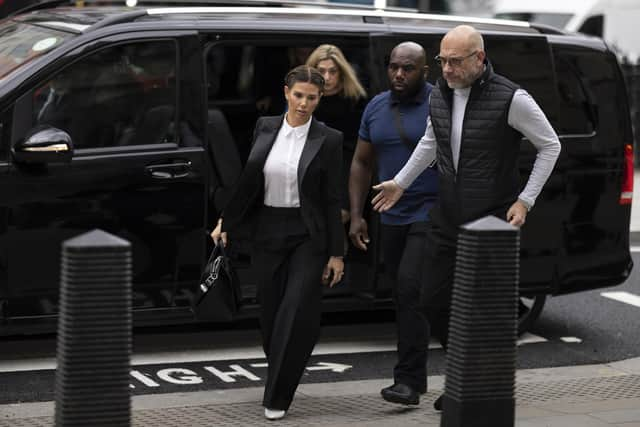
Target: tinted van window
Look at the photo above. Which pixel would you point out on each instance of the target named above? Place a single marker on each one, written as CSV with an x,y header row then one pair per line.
x,y
574,99
585,81
119,96
527,62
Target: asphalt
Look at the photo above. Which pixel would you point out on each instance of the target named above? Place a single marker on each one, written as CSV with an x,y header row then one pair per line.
x,y
583,396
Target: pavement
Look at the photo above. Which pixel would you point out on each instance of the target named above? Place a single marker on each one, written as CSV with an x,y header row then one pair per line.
x,y
581,396
585,396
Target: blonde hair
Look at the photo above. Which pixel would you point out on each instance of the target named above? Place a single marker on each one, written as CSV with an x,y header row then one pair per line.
x,y
351,87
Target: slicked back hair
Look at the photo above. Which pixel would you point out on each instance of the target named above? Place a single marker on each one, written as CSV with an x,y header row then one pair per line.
x,y
304,74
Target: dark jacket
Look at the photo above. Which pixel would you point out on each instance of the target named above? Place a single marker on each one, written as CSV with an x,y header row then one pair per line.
x,y
487,181
319,184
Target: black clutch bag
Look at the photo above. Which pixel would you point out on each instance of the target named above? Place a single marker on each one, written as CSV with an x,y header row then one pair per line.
x,y
218,294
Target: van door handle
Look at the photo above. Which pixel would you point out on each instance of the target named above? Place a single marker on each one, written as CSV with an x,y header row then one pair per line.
x,y
179,169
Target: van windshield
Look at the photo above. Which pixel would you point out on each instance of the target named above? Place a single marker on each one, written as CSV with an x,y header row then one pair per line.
x,y
21,43
558,20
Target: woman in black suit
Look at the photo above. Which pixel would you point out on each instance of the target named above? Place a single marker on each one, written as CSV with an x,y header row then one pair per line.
x,y
288,199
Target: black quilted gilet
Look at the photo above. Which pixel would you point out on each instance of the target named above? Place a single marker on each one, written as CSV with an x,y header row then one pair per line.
x,y
487,181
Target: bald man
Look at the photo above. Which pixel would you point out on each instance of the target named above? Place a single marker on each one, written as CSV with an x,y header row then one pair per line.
x,y
390,128
477,121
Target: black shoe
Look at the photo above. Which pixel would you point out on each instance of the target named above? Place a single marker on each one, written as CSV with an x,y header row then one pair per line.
x,y
437,404
400,393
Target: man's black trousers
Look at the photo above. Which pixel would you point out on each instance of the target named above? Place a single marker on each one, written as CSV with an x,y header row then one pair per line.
x,y
439,266
404,252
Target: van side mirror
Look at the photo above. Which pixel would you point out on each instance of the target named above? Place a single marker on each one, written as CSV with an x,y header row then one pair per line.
x,y
44,144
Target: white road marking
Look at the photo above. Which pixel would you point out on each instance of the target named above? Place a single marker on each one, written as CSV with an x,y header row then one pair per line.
x,y
571,339
528,338
41,364
625,297
231,354
259,365
333,367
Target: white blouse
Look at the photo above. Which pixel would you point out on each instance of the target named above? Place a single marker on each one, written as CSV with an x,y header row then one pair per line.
x,y
281,168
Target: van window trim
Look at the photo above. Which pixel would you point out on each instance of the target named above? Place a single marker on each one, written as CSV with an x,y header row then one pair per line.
x,y
90,153
591,134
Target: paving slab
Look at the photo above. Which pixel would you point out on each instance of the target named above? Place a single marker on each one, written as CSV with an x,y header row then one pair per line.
x,y
588,407
526,412
619,416
563,421
629,366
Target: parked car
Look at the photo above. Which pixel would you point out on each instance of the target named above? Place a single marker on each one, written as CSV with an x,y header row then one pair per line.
x,y
137,121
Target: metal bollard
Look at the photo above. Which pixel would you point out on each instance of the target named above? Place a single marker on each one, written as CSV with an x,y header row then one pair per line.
x,y
94,332
481,355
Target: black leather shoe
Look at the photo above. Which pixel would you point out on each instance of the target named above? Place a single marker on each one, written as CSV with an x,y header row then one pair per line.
x,y
400,393
437,404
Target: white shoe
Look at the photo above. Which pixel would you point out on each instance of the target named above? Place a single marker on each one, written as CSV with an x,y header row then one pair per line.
x,y
274,414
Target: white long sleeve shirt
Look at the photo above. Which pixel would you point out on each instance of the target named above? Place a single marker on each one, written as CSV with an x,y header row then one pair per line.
x,y
281,167
524,115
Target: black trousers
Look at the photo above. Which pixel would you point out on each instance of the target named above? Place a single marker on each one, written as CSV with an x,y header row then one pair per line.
x,y
289,273
439,267
404,252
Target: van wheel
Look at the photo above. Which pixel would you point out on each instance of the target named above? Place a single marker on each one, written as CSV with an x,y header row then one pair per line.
x,y
529,309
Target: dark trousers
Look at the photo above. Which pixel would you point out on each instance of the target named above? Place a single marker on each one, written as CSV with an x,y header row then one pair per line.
x,y
404,251
289,273
439,267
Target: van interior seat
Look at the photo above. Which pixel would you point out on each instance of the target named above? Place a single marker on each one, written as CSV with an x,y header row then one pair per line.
x,y
224,156
155,124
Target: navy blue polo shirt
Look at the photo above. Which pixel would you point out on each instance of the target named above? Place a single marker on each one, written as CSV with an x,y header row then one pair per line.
x,y
378,127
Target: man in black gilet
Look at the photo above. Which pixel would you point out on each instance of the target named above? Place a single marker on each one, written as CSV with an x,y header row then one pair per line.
x,y
477,121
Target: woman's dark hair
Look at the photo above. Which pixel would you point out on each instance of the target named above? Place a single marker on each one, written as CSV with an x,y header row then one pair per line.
x,y
304,74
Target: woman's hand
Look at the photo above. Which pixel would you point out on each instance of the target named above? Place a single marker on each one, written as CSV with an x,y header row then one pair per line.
x,y
217,234
334,270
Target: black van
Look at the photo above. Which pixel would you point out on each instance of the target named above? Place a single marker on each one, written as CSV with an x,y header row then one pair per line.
x,y
157,107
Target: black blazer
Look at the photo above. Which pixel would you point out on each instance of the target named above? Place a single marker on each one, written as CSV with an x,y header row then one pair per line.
x,y
319,184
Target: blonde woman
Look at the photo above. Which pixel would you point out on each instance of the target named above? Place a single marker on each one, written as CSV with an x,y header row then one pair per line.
x,y
341,107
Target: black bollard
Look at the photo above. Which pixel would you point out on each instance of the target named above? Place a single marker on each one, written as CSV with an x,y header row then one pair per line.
x,y
481,355
94,332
